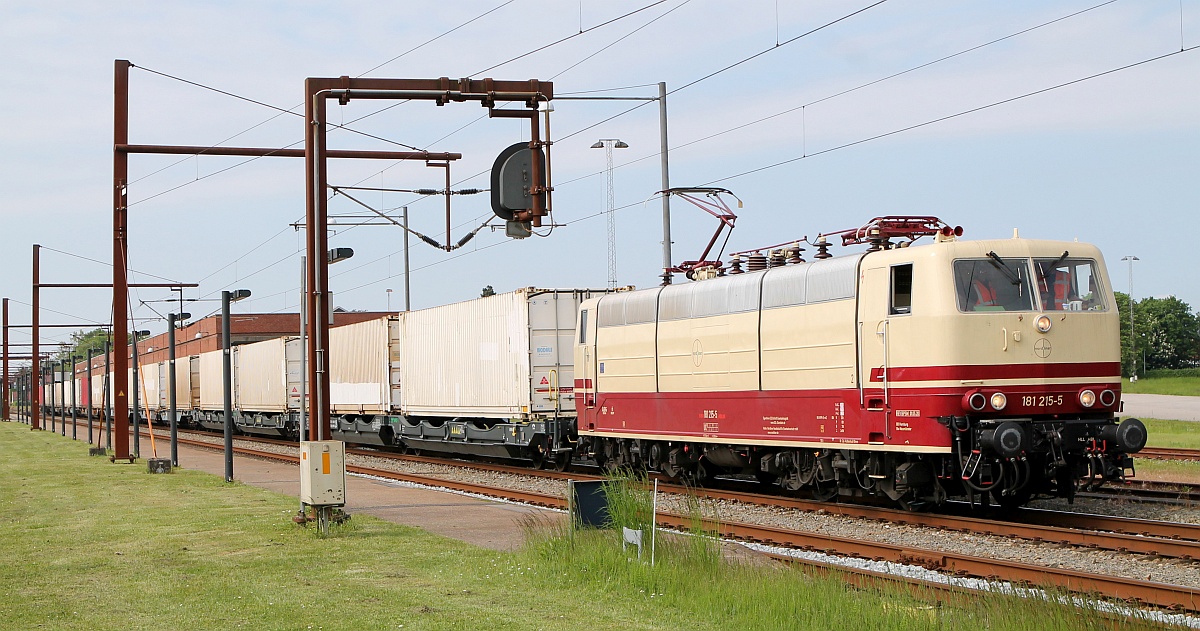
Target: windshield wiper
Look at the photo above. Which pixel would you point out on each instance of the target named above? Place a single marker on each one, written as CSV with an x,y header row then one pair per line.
x,y
999,264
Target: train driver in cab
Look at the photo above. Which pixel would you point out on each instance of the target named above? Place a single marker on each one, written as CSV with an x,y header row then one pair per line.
x,y
983,286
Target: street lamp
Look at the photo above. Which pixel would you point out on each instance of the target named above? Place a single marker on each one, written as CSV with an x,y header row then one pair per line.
x,y
228,297
608,144
172,318
1132,335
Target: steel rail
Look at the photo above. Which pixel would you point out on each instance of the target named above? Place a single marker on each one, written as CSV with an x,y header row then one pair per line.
x,y
1165,453
1183,542
1174,597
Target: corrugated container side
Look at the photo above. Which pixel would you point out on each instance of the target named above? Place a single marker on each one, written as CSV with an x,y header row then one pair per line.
x,y
292,354
396,363
148,386
96,398
58,389
183,384
469,358
164,388
552,347
212,389
358,368
261,376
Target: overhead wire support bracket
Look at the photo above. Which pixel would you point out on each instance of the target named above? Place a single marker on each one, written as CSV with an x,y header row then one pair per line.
x,y
318,91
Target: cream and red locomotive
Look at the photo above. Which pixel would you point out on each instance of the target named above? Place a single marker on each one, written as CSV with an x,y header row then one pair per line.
x,y
987,369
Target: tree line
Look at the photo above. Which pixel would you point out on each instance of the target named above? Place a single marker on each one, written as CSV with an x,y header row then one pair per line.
x,y
1166,332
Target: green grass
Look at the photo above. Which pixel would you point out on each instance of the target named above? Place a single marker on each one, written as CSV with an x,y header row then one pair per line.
x,y
1172,434
1181,386
88,544
1167,470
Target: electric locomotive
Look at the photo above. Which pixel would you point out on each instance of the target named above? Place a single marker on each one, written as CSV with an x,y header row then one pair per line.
x,y
985,369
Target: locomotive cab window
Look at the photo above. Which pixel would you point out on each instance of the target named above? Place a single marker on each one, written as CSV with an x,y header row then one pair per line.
x,y
901,299
993,284
1067,284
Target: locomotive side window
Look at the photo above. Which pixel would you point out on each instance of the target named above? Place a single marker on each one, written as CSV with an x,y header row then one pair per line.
x,y
1066,284
993,284
583,315
901,300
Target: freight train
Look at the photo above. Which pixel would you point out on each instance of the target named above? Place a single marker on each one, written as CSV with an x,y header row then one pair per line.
x,y
987,369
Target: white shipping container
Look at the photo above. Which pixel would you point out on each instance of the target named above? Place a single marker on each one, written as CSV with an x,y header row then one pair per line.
x,y
262,374
147,387
503,356
359,370
183,384
212,388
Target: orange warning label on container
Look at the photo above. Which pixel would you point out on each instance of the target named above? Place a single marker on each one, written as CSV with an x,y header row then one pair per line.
x,y
325,463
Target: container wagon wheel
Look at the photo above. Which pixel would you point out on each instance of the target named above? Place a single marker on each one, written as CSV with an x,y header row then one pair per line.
x,y
537,454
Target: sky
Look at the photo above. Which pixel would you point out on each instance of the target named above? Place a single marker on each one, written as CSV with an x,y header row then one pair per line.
x,y
818,116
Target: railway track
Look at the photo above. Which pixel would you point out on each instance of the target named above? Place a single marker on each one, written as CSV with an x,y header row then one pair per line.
x,y
1162,539
1173,453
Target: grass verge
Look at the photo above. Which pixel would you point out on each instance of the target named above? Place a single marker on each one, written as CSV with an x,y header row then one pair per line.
x,y
1172,434
1179,386
93,545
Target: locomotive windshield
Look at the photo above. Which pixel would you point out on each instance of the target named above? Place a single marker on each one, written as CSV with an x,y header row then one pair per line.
x,y
993,284
1067,284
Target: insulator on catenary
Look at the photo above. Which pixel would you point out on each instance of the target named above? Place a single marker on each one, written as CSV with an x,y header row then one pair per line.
x,y
463,241
467,191
428,191
430,241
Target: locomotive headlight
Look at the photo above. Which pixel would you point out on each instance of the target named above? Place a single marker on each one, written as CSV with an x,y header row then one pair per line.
x,y
1087,398
1108,398
1043,323
999,401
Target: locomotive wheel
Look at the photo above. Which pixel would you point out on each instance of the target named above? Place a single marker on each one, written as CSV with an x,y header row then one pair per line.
x,y
1012,501
824,491
766,478
562,463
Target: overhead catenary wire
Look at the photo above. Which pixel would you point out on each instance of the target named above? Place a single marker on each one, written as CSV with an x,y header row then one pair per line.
x,y
955,115
730,67
860,86
107,263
